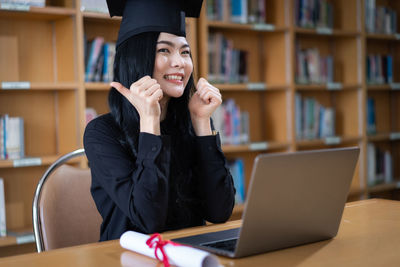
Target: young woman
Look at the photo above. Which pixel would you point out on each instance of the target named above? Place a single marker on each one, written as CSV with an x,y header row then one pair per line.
x,y
156,162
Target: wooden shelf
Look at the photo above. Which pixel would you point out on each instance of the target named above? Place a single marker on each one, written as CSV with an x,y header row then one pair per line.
x,y
327,87
383,87
245,27
330,141
39,13
97,86
384,187
32,161
249,87
21,236
252,147
394,136
379,36
326,32
42,86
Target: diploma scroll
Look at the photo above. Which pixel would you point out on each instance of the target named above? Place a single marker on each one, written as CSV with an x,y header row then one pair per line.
x,y
179,255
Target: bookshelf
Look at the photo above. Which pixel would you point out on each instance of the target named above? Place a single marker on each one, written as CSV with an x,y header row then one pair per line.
x,y
42,79
38,82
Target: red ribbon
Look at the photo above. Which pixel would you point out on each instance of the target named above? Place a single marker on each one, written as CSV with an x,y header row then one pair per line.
x,y
152,242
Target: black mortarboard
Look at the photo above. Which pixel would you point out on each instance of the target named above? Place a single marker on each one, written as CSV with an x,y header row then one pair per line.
x,y
152,15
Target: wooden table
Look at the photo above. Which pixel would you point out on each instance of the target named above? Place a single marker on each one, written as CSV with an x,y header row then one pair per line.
x,y
369,235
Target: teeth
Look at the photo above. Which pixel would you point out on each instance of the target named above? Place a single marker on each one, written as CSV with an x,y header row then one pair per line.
x,y
173,77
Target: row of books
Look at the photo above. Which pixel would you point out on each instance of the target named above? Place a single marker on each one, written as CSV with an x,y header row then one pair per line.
x,y
226,64
11,137
232,123
99,6
314,13
380,165
99,60
39,3
236,168
311,67
237,11
380,19
379,69
371,117
313,120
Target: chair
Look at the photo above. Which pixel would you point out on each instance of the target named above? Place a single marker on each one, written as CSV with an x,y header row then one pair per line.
x,y
64,213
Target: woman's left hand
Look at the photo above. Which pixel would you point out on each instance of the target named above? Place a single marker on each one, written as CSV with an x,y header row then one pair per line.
x,y
205,101
202,105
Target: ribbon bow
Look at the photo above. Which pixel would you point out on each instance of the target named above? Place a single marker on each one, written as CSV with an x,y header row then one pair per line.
x,y
155,241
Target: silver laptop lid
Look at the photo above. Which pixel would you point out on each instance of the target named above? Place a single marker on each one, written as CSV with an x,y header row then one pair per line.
x,y
295,198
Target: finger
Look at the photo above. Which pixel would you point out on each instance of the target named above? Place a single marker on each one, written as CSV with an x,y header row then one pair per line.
x,y
146,85
142,80
206,90
204,85
211,97
201,81
157,95
120,88
152,89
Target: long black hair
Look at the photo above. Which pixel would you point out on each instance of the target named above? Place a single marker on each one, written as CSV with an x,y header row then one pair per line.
x,y
135,59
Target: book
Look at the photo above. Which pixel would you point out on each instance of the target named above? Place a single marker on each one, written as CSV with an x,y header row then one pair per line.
x,y
94,53
38,3
99,6
3,226
388,167
2,138
239,11
314,13
371,120
371,164
236,168
14,144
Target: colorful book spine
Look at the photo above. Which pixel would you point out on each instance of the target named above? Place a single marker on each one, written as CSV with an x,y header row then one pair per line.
x,y
371,119
237,171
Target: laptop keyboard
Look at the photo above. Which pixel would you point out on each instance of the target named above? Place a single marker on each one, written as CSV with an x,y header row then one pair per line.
x,y
229,244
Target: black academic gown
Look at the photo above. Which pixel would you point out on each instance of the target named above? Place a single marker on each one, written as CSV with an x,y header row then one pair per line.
x,y
170,184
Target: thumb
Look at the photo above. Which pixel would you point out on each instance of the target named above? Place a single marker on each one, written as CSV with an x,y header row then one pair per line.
x,y
120,88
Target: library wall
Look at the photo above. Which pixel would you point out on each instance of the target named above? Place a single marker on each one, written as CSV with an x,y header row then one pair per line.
x,y
293,77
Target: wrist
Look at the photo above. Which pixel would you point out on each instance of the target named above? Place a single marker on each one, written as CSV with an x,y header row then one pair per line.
x,y
202,127
150,125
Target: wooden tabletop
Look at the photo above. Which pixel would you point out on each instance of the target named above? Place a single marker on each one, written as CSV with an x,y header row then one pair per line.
x,y
369,235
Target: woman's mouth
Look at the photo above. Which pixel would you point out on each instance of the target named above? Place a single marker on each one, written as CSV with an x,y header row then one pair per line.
x,y
174,78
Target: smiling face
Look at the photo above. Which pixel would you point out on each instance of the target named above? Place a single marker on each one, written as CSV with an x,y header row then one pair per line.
x,y
173,64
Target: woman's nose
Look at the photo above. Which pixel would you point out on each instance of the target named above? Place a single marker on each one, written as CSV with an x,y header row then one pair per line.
x,y
177,60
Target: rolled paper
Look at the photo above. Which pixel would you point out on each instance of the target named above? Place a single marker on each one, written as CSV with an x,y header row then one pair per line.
x,y
179,255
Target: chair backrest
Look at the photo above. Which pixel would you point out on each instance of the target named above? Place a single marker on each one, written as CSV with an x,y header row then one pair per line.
x,y
64,213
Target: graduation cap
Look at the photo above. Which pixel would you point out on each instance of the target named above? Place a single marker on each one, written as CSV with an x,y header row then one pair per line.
x,y
152,15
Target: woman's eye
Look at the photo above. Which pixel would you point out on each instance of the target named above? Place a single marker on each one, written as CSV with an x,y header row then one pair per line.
x,y
186,52
163,50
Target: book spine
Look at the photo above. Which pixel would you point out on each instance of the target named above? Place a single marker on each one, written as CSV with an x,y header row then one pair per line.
x,y
371,159
3,226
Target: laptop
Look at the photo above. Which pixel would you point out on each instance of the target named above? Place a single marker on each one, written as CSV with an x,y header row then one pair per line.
x,y
293,199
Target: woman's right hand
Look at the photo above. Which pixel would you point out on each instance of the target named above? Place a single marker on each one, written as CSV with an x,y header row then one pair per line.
x,y
144,95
